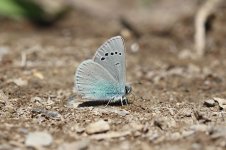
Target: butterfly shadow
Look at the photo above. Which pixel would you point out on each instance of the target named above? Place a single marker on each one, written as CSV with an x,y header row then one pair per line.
x,y
100,103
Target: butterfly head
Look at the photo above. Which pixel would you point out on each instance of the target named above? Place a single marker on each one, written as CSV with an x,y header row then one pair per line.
x,y
128,89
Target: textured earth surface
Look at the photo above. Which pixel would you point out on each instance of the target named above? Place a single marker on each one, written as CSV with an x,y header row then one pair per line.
x,y
177,102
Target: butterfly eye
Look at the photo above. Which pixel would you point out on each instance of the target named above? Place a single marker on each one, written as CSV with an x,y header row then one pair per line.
x,y
120,53
102,58
112,53
116,52
106,54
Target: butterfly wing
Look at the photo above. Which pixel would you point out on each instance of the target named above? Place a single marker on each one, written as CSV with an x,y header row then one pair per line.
x,y
94,82
111,55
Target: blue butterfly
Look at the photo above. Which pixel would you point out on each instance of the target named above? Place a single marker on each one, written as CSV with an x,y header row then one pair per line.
x,y
104,76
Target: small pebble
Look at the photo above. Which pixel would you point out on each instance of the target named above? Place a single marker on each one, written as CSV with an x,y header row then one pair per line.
x,y
219,132
35,139
175,136
199,127
153,135
53,115
209,103
79,130
121,112
186,112
78,145
97,127
136,126
126,33
185,54
49,114
3,51
20,82
135,47
196,146
36,100
187,133
3,97
221,102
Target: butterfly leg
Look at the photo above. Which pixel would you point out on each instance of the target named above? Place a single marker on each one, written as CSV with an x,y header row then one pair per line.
x,y
121,101
126,100
108,102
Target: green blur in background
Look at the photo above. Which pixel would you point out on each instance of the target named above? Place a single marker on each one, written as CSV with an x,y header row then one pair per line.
x,y
30,10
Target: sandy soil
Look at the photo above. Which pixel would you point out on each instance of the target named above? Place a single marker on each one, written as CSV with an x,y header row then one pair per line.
x,y
166,110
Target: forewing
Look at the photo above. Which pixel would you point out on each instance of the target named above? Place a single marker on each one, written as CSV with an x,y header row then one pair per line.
x,y
94,82
111,55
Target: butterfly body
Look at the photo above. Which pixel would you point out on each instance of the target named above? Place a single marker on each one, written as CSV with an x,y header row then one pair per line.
x,y
103,77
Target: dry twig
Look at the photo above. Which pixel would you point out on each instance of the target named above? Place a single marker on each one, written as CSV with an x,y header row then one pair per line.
x,y
206,10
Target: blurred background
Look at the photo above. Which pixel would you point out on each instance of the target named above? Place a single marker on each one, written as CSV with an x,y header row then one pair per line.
x,y
175,50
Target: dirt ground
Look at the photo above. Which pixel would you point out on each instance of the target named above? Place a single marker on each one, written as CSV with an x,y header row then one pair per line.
x,y
167,108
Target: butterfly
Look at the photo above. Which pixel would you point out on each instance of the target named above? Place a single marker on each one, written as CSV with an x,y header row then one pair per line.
x,y
104,77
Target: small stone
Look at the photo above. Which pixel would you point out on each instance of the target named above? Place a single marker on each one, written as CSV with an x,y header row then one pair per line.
x,y
23,130
10,108
135,47
187,133
209,103
136,134
175,136
153,135
176,71
37,100
219,132
3,51
79,145
72,102
20,82
221,102
136,127
35,139
185,112
126,33
200,128
185,54
97,127
165,122
38,75
122,112
193,69
53,115
79,130
196,146
201,116
3,97
49,114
